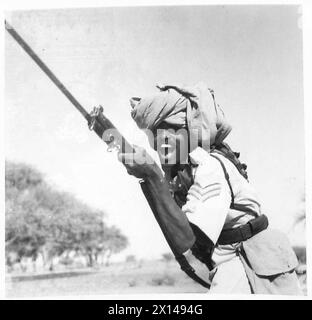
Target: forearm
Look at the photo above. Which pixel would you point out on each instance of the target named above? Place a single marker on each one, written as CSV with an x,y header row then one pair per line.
x,y
172,220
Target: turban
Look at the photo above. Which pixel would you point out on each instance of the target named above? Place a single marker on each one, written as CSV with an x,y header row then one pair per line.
x,y
191,107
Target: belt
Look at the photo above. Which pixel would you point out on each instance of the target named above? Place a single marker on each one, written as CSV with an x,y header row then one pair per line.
x,y
244,232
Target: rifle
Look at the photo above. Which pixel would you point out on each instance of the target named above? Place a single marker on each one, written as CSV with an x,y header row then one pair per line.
x,y
97,121
106,130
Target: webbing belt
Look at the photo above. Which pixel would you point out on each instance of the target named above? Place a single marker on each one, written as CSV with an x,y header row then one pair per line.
x,y
244,232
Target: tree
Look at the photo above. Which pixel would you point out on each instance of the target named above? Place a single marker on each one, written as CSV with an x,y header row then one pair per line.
x,y
24,232
43,221
114,242
20,176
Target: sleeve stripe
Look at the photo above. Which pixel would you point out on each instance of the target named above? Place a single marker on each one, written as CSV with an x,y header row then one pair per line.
x,y
203,195
193,193
211,190
211,195
216,184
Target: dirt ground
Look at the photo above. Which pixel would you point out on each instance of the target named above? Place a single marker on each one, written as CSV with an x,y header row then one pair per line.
x,y
137,278
134,278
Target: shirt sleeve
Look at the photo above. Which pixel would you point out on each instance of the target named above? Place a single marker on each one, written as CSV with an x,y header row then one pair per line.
x,y
208,199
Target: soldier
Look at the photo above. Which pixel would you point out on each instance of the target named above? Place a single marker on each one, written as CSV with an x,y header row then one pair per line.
x,y
203,184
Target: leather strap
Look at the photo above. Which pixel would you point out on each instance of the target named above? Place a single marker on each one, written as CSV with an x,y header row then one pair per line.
x,y
188,269
246,231
227,178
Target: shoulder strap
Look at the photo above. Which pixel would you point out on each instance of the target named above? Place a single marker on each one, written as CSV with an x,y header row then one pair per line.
x,y
227,178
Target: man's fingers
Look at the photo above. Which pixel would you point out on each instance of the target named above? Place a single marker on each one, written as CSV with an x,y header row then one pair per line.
x,y
139,151
126,158
119,156
137,148
138,157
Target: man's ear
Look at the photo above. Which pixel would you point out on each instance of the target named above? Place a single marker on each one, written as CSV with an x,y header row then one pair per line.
x,y
134,101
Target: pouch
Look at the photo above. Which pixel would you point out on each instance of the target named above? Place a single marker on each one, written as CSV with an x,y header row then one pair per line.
x,y
270,253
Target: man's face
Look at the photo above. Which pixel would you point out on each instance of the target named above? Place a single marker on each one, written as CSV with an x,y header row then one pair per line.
x,y
171,144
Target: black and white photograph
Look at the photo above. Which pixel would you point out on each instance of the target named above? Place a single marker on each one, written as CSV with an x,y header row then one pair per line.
x,y
155,150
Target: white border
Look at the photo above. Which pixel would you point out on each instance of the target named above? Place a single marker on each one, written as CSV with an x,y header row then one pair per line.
x,y
307,36
307,68
2,208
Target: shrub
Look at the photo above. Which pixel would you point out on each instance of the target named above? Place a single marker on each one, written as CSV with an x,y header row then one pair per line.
x,y
66,261
132,283
130,258
163,280
167,257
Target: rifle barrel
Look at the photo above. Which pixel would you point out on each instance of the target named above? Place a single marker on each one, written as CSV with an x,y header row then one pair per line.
x,y
46,70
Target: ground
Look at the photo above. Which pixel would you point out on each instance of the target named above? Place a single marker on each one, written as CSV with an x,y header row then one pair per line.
x,y
123,278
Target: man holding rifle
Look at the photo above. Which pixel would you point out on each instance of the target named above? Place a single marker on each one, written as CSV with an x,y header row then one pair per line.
x,y
202,198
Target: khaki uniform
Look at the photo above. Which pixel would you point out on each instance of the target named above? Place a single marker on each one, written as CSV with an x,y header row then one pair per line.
x,y
269,266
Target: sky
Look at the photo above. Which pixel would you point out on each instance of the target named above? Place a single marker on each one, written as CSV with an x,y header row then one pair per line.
x,y
250,55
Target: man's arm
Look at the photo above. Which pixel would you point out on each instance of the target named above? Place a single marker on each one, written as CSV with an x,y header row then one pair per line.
x,y
171,218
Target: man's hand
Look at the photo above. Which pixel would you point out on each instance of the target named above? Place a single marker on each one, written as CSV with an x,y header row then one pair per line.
x,y
140,164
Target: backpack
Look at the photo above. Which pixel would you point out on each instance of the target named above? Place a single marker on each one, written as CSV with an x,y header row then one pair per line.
x,y
225,150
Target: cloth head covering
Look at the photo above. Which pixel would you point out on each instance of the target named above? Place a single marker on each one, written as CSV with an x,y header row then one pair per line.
x,y
166,106
192,107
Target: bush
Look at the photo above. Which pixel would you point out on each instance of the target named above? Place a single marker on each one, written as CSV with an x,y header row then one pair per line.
x,y
167,257
66,261
130,258
132,283
163,280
